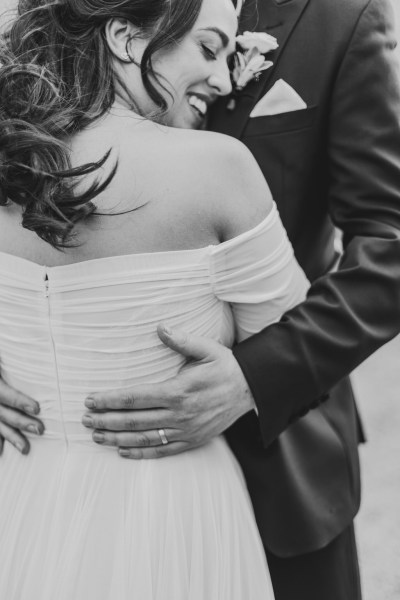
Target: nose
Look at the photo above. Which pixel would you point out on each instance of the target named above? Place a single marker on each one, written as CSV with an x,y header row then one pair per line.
x,y
220,79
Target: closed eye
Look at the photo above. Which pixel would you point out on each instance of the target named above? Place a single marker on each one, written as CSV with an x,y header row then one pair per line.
x,y
208,53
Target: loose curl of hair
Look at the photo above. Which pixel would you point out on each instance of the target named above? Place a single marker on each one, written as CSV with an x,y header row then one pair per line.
x,y
56,77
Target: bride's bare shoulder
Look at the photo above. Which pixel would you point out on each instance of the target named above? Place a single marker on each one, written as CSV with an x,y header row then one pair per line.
x,y
186,170
221,172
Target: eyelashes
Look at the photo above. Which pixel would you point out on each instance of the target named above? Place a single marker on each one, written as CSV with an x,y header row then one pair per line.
x,y
212,55
208,53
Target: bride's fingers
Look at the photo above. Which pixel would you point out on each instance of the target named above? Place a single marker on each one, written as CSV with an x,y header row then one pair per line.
x,y
157,451
141,439
15,438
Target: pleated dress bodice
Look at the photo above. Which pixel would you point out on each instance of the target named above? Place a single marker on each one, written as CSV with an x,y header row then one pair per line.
x,y
77,520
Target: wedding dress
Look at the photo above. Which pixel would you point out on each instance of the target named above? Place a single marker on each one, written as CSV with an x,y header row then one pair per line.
x,y
78,522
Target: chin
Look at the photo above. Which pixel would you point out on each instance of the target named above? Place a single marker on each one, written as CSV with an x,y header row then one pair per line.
x,y
184,121
194,124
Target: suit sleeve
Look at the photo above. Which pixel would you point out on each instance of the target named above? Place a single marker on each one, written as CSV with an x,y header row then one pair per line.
x,y
291,365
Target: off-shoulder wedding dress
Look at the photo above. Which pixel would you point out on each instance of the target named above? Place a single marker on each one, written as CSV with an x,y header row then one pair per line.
x,y
77,522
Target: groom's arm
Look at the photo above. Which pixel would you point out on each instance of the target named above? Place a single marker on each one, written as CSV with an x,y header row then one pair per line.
x,y
290,366
350,313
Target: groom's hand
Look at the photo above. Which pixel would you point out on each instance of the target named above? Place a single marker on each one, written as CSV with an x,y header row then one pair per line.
x,y
17,415
203,400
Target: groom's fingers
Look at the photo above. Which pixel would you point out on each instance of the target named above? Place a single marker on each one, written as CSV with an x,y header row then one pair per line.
x,y
128,420
141,439
15,399
15,438
137,398
171,393
193,347
18,420
156,451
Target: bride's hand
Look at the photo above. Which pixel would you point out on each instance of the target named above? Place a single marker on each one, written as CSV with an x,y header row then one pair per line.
x,y
207,396
16,416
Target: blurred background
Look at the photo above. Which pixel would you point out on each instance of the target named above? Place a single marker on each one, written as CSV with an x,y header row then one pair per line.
x,y
377,386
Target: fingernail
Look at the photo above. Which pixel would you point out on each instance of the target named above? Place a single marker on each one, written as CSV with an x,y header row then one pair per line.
x,y
21,447
90,403
33,429
123,452
87,421
98,437
33,410
167,330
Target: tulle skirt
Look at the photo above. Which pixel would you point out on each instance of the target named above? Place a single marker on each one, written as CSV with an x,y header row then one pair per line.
x,y
78,522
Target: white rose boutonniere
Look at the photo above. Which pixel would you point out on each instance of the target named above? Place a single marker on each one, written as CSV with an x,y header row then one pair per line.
x,y
249,61
248,66
263,42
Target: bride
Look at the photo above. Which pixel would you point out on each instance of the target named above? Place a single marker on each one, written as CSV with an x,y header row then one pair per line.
x,y
115,213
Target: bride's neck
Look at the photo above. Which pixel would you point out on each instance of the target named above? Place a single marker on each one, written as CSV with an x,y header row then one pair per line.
x,y
121,108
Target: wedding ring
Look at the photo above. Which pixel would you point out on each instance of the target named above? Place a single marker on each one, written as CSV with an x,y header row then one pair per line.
x,y
163,437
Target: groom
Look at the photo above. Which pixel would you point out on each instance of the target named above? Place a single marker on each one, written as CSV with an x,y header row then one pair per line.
x,y
335,162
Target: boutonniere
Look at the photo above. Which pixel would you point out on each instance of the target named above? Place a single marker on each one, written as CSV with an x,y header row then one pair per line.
x,y
249,60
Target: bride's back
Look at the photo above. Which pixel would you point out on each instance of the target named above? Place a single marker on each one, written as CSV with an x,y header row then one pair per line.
x,y
142,210
173,189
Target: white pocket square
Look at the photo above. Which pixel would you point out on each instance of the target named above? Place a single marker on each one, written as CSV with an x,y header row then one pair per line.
x,y
281,98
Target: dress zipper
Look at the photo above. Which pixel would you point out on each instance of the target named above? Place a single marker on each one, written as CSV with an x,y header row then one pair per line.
x,y
46,283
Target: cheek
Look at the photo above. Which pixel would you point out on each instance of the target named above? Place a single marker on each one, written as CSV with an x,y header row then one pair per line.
x,y
178,84
188,76
183,67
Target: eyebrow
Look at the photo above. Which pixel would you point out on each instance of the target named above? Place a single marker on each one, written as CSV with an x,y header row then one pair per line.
x,y
220,33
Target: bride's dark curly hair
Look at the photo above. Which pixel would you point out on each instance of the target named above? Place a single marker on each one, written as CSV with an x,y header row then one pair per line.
x,y
56,77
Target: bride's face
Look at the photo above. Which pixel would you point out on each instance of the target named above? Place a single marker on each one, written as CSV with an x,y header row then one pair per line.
x,y
197,68
195,71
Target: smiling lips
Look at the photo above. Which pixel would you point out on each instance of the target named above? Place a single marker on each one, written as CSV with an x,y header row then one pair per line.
x,y
199,104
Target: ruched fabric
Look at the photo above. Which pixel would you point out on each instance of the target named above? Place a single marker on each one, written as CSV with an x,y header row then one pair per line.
x,y
77,522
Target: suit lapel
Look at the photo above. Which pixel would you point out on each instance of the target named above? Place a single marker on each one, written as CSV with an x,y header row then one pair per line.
x,y
277,17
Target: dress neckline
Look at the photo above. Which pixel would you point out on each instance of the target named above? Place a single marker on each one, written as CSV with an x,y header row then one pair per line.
x,y
140,256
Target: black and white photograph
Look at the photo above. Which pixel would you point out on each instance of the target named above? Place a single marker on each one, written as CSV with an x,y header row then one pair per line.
x,y
199,299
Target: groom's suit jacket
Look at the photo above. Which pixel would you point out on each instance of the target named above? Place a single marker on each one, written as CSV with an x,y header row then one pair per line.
x,y
335,163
